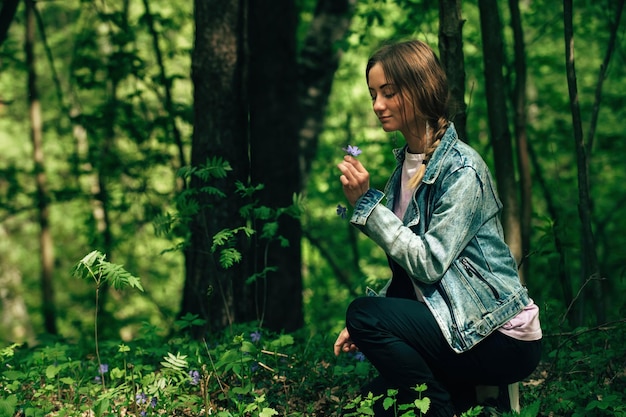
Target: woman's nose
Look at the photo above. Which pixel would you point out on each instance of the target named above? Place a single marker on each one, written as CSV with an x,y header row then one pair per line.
x,y
378,104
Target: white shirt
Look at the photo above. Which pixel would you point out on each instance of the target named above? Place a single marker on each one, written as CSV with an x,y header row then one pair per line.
x,y
412,162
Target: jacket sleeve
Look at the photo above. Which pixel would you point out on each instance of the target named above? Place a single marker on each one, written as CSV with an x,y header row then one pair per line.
x,y
458,213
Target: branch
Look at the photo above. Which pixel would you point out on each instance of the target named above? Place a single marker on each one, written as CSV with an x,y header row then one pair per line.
x,y
602,76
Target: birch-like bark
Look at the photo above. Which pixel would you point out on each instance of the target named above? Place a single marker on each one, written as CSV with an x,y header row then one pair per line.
x,y
452,59
589,261
46,245
495,87
521,137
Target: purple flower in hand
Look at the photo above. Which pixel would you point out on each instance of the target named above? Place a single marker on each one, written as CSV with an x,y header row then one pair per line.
x,y
352,150
342,211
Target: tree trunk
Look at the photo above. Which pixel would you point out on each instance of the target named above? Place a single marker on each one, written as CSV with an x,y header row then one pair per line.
x,y
318,61
452,59
15,324
220,130
43,207
7,13
590,270
170,111
521,138
274,151
562,273
493,53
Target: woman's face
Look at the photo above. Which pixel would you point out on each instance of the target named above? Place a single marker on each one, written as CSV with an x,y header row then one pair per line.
x,y
393,112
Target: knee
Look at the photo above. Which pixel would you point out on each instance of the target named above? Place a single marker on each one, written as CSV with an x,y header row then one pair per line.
x,y
358,314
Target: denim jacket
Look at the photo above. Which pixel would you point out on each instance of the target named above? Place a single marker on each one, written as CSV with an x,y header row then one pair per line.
x,y
450,244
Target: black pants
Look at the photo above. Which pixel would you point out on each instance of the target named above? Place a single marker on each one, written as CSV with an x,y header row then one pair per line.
x,y
401,338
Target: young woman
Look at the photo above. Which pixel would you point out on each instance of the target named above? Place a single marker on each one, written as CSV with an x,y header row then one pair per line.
x,y
454,314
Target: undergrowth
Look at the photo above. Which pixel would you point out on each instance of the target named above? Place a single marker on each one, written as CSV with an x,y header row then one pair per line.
x,y
249,371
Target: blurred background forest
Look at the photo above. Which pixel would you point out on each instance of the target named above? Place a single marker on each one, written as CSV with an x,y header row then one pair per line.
x,y
196,145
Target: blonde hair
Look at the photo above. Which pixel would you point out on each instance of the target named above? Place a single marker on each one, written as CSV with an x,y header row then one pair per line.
x,y
418,76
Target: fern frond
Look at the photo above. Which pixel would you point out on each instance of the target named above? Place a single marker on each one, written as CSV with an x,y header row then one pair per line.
x,y
263,274
221,238
88,267
213,191
229,257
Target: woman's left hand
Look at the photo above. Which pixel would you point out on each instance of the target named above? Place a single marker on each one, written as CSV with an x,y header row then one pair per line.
x,y
344,343
355,178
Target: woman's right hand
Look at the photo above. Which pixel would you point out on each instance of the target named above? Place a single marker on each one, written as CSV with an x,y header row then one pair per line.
x,y
344,343
354,178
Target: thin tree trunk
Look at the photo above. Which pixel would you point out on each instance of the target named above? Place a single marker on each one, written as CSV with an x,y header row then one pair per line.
x,y
590,269
43,198
169,102
7,13
561,272
603,286
493,55
220,130
452,59
274,154
15,323
104,155
521,138
602,76
318,62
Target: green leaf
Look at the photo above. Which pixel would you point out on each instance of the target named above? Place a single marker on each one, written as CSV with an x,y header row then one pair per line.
x,y
8,406
267,412
177,362
67,380
87,267
13,375
52,371
270,230
263,213
388,402
221,238
422,404
229,257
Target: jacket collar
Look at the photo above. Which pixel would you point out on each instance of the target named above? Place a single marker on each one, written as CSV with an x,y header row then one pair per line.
x,y
436,161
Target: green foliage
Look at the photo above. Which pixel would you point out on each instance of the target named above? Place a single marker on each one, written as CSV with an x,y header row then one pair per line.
x,y
241,375
225,242
363,406
104,113
95,267
584,373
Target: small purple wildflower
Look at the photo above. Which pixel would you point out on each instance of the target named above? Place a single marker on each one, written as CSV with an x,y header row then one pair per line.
x,y
104,368
153,402
352,150
141,398
97,379
342,211
144,413
195,377
359,356
255,336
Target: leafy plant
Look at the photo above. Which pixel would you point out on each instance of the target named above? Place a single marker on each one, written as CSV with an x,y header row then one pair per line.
x,y
95,267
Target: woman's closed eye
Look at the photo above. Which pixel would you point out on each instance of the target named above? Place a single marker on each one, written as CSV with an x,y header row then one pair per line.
x,y
387,96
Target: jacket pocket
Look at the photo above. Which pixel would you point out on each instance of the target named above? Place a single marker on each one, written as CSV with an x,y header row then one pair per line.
x,y
472,272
